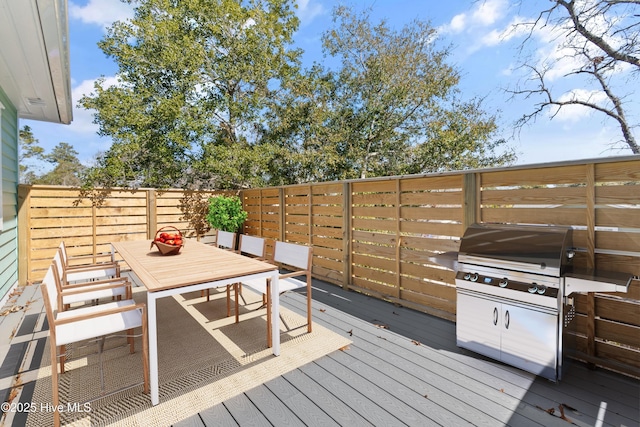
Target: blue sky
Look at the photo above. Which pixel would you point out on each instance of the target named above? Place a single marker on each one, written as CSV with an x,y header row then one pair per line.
x,y
473,28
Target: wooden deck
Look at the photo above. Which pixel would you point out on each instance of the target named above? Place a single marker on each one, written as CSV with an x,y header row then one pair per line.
x,y
403,368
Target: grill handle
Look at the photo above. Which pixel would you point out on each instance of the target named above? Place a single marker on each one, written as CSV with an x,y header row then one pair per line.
x,y
495,316
506,319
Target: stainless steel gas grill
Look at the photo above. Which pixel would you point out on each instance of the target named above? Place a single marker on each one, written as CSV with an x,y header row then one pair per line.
x,y
513,293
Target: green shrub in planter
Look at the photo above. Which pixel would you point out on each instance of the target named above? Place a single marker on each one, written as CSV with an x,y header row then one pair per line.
x,y
226,213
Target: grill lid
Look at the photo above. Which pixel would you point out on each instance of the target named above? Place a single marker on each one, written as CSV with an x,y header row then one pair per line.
x,y
531,248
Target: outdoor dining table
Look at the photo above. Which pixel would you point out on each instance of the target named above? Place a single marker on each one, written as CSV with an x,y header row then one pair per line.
x,y
196,267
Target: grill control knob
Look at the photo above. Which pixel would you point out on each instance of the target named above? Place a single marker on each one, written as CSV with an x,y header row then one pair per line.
x,y
533,289
542,289
474,277
503,283
467,276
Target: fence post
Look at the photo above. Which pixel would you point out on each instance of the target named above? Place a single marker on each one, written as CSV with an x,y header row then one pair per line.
x,y
346,235
283,222
591,257
152,214
24,234
398,240
471,200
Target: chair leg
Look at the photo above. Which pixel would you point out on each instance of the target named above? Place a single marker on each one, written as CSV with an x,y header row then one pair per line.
x,y
229,299
132,344
237,289
309,311
63,358
208,290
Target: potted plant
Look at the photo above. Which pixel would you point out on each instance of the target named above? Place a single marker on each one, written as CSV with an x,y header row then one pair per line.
x,y
226,213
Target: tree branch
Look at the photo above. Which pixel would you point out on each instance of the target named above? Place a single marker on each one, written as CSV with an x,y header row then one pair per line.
x,y
596,40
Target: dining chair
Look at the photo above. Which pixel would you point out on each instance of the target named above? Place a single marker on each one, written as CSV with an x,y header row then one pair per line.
x,y
251,246
86,323
77,291
296,260
85,271
224,240
92,291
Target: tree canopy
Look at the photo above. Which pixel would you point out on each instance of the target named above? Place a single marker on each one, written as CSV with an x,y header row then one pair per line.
x,y
211,94
67,169
194,80
29,150
391,106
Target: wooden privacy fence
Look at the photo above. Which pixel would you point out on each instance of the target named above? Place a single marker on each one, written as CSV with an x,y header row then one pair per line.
x,y
375,235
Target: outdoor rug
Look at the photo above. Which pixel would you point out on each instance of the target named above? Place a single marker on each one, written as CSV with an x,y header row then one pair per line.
x,y
204,359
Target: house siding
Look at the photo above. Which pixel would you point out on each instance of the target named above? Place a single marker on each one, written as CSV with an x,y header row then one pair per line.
x,y
9,232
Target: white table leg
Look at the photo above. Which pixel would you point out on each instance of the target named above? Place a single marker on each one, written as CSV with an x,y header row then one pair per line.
x,y
153,348
275,313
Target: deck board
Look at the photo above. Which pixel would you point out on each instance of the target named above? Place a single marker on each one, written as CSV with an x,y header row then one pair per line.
x,y
350,395
245,412
300,404
333,406
405,404
276,412
217,416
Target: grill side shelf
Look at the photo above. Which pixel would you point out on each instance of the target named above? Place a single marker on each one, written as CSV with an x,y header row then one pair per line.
x,y
585,280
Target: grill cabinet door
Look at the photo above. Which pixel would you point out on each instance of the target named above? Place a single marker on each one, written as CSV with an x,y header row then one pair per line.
x,y
529,339
478,324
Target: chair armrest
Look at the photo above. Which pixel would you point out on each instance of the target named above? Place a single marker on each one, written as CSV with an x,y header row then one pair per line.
x,y
294,274
91,267
81,290
113,264
100,313
89,256
118,281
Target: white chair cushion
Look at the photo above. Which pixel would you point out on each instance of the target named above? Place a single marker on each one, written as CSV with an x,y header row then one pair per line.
x,y
91,295
98,326
288,284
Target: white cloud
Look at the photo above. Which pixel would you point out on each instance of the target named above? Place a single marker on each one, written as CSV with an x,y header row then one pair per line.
x,y
308,10
492,38
488,12
101,12
484,14
458,23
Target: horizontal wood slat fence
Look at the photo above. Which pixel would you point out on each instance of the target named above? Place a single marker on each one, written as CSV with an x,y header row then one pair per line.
x,y
375,235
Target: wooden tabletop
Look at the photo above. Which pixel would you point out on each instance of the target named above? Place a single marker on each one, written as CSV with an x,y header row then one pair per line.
x,y
196,263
